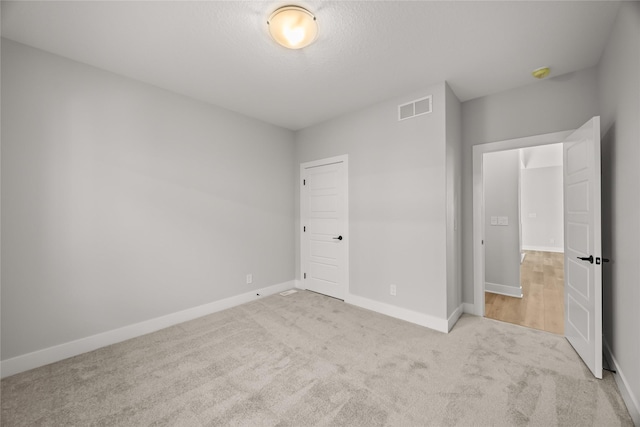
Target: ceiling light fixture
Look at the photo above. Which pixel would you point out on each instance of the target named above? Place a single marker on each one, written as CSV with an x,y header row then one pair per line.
x,y
293,27
541,73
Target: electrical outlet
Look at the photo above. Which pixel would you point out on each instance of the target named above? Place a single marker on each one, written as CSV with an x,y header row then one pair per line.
x,y
392,290
249,279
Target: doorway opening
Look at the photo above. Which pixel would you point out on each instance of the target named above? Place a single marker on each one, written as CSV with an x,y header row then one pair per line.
x,y
582,234
479,212
524,261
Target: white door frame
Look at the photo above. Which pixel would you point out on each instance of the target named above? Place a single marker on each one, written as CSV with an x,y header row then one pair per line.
x,y
344,159
478,202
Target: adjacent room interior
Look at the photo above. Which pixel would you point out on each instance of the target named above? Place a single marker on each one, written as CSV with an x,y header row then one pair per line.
x,y
170,168
537,298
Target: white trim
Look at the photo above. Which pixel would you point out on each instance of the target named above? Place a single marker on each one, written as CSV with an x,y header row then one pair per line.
x,y
451,321
544,249
322,162
520,155
299,284
630,400
59,352
510,291
344,159
478,202
468,308
432,322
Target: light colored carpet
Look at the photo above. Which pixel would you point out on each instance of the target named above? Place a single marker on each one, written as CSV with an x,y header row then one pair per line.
x,y
306,359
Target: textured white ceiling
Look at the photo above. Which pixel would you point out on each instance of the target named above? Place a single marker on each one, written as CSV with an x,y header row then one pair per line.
x,y
220,52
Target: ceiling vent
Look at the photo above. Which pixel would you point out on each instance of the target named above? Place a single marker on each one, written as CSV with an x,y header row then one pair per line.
x,y
414,108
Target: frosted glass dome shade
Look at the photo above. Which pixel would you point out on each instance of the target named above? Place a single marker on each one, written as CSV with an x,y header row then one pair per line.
x,y
293,27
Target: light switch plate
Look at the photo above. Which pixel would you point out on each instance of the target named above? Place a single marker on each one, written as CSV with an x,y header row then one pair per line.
x,y
494,220
503,220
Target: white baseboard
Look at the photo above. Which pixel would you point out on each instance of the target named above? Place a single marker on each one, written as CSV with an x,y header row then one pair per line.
x,y
59,352
510,291
543,249
432,322
451,321
623,385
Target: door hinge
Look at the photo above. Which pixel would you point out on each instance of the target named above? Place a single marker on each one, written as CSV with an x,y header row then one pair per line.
x,y
304,229
305,275
304,182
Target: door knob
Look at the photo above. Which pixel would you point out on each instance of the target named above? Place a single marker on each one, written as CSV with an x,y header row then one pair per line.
x,y
337,238
584,258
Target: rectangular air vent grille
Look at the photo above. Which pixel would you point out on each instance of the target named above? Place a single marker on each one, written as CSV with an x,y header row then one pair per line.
x,y
414,108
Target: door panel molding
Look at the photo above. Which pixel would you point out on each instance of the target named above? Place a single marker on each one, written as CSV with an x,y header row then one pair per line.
x,y
582,218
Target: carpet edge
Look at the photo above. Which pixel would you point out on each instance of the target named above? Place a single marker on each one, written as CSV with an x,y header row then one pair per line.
x,y
627,394
35,359
422,319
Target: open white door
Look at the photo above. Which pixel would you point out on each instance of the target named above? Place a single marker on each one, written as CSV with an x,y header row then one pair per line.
x,y
582,255
324,226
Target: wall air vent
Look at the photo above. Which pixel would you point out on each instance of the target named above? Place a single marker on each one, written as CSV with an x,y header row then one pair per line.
x,y
414,108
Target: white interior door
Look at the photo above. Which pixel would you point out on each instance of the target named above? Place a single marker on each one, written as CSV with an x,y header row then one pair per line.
x,y
324,221
582,254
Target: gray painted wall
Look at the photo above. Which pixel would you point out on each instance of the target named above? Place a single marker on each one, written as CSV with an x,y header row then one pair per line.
x,y
501,172
557,104
397,185
541,195
619,90
122,202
